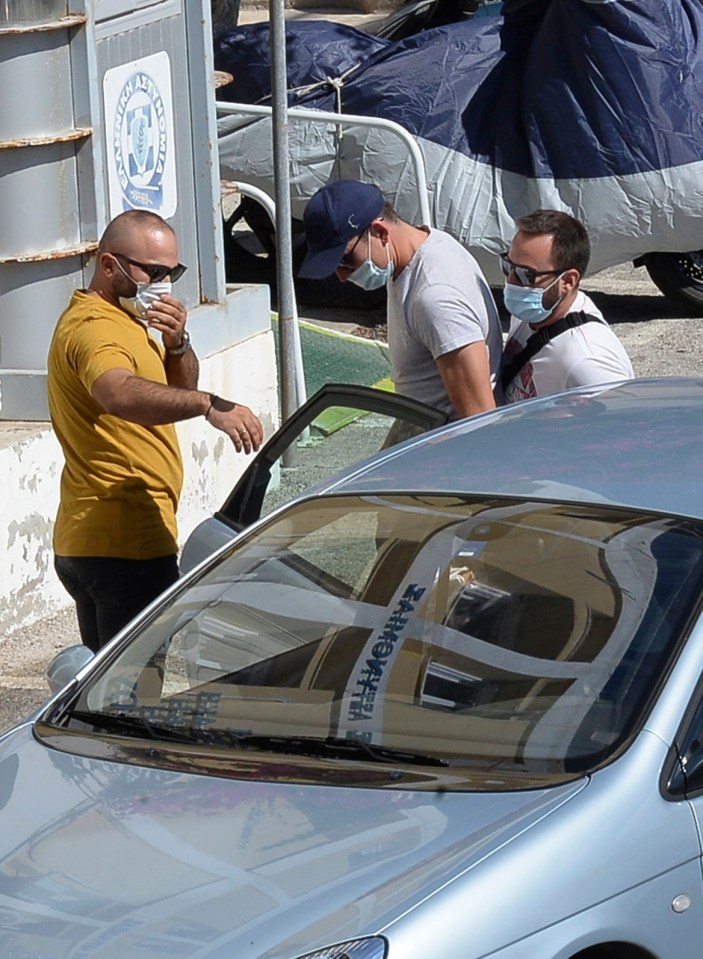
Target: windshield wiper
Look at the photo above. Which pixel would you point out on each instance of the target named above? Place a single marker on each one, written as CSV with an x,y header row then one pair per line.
x,y
126,724
336,747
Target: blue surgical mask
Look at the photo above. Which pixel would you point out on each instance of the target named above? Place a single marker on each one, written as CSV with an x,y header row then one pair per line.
x,y
526,302
372,277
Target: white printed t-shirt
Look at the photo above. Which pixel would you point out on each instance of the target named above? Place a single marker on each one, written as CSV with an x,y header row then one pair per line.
x,y
586,355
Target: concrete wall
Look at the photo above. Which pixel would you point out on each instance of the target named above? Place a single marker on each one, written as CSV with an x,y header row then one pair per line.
x,y
31,459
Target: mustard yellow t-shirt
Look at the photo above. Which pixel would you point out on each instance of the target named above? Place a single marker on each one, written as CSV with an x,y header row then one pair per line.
x,y
121,481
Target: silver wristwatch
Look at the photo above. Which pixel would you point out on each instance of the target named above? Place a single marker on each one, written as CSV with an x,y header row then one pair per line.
x,y
185,345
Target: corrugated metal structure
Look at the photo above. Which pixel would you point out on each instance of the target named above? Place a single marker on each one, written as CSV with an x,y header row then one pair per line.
x,y
107,105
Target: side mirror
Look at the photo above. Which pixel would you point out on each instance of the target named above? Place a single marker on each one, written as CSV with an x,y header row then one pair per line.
x,y
66,665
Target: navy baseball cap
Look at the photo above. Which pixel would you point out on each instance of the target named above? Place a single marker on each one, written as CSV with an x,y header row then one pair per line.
x,y
337,213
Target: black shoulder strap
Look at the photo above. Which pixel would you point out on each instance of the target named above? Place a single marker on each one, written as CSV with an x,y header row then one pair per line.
x,y
539,339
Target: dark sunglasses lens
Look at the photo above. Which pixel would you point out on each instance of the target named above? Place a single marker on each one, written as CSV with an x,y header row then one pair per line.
x,y
505,265
156,273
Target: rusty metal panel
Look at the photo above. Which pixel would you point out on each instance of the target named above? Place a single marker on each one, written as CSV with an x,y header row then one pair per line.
x,y
56,141
39,197
42,248
36,65
27,11
32,297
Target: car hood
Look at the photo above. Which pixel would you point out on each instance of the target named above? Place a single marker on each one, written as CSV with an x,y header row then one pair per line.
x,y
101,859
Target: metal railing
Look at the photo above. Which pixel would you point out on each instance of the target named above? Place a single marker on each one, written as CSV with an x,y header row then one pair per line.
x,y
347,119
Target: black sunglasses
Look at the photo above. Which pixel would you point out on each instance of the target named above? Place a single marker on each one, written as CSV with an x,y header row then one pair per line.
x,y
155,271
345,265
525,275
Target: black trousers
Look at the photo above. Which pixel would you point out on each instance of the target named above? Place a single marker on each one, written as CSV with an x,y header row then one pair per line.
x,y
109,592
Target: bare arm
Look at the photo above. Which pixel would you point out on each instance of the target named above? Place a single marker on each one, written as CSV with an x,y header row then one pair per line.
x,y
182,369
138,400
466,375
168,316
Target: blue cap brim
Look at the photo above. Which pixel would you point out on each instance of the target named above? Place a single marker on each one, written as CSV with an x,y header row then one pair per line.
x,y
317,266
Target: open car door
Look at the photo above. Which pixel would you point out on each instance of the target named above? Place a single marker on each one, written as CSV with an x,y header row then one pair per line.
x,y
338,427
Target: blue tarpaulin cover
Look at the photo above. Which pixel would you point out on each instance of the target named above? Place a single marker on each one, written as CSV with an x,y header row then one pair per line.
x,y
315,51
592,106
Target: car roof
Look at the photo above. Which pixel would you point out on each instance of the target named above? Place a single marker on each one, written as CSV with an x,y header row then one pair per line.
x,y
636,444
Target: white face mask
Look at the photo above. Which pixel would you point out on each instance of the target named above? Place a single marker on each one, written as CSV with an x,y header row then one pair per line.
x,y
146,295
369,276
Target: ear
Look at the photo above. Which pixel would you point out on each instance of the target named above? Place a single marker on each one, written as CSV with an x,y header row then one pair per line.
x,y
107,264
379,228
571,279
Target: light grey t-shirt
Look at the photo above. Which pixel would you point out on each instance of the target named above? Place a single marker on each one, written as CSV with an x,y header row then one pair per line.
x,y
440,302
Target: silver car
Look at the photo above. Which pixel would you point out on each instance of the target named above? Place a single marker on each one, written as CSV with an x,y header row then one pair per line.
x,y
448,704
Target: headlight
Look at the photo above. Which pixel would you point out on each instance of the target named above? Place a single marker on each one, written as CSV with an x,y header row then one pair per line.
x,y
372,948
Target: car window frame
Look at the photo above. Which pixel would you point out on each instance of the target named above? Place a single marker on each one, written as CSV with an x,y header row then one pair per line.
x,y
244,504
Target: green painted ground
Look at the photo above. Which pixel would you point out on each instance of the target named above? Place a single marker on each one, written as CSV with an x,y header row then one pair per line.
x,y
330,357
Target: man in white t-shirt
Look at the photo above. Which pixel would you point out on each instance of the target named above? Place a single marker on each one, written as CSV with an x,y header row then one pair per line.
x,y
444,334
558,338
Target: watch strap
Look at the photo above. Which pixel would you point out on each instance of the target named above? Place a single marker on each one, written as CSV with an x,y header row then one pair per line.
x,y
185,345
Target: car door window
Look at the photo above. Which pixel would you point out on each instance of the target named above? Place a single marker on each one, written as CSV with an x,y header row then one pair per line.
x,y
337,428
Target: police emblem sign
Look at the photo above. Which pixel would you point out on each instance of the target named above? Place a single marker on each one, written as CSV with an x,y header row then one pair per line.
x,y
140,136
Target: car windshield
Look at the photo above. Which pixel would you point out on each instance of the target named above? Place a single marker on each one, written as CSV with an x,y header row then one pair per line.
x,y
488,634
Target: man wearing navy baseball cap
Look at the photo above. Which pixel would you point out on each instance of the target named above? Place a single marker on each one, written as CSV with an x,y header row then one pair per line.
x,y
444,334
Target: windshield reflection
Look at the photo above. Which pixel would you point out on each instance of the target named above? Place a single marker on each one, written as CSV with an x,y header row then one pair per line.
x,y
485,633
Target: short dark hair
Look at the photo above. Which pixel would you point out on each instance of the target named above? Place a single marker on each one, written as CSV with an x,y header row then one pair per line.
x,y
389,213
571,248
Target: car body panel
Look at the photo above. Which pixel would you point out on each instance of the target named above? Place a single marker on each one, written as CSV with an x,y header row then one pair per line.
x,y
116,845
600,898
636,443
116,856
622,444
123,859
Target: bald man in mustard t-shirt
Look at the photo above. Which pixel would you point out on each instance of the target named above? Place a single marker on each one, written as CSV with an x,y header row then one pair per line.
x,y
115,393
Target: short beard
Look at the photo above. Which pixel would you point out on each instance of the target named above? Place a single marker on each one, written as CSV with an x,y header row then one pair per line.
x,y
551,297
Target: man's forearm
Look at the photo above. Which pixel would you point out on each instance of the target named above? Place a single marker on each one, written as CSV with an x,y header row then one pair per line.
x,y
183,369
120,393
150,404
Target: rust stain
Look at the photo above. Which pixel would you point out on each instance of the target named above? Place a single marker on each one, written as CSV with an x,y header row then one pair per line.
x,y
63,23
84,248
221,78
80,133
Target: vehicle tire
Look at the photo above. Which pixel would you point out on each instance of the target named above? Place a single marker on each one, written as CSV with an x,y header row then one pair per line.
x,y
679,276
